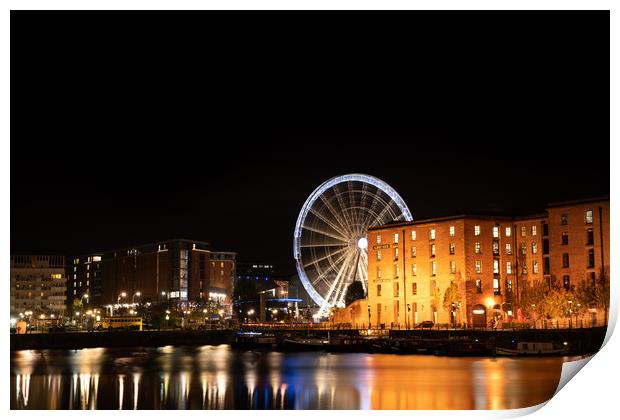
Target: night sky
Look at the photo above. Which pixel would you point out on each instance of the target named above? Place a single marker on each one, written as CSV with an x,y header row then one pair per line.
x,y
137,127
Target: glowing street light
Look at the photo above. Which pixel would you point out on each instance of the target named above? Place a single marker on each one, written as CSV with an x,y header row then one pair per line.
x,y
134,296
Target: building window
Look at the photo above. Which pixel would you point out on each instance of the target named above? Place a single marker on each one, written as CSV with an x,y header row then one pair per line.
x,y
432,250
546,266
590,258
478,267
452,231
477,230
546,246
508,267
378,239
495,247
378,272
496,287
451,248
96,258
414,288
413,235
431,234
592,278
524,268
533,230
414,269
495,266
378,290
564,219
478,286
545,229
477,247
508,249
590,237
534,248
523,248
414,251
564,238
396,270
496,231
379,255
396,289
508,232
395,254
452,267
396,238
589,217
522,231
56,276
534,266
566,282
565,262
508,285
434,268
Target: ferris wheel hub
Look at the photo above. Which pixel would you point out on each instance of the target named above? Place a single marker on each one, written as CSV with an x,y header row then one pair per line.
x,y
362,243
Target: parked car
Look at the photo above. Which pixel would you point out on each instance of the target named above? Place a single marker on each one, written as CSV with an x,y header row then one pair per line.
x,y
425,324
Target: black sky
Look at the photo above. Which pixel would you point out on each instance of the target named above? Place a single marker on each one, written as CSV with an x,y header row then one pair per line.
x,y
135,127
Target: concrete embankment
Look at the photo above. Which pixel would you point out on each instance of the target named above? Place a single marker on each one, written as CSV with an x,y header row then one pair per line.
x,y
77,340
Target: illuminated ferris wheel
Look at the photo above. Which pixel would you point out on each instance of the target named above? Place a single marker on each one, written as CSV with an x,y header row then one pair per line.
x,y
330,245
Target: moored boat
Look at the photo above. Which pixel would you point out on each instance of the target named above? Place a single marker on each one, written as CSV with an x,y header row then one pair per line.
x,y
532,348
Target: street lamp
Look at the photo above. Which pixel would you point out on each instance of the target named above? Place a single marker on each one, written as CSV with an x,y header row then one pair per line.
x,y
120,295
134,296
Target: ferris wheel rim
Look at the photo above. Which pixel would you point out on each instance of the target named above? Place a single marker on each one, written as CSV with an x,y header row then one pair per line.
x,y
313,197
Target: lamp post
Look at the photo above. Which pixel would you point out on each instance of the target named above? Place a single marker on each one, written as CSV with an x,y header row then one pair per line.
x,y
133,298
120,295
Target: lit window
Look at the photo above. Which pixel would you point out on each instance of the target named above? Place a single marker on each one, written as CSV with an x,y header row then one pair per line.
x,y
74,276
378,290
413,235
451,230
496,289
452,267
222,273
414,251
508,267
523,230
523,248
478,267
432,250
379,255
524,268
56,276
478,286
414,270
432,234
74,269
535,267
396,270
508,249
496,231
495,247
564,219
589,216
434,268
508,231
534,230
395,254
222,264
495,266
87,275
477,247
378,272
414,288
534,248
378,239
97,258
564,238
451,248
396,238
74,284
508,285
477,230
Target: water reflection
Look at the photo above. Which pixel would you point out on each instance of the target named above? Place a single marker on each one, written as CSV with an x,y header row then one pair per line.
x,y
217,377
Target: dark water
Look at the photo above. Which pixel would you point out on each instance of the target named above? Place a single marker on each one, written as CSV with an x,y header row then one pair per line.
x,y
216,377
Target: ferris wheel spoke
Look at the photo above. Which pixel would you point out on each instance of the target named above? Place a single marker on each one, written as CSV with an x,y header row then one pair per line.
x,y
328,271
331,254
376,197
349,274
329,222
343,207
343,223
322,232
343,267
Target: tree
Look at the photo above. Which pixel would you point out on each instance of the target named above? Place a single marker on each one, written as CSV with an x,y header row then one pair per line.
x,y
601,293
355,291
451,297
76,306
